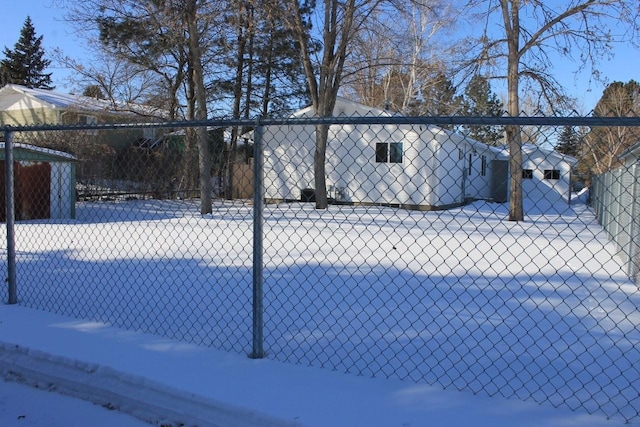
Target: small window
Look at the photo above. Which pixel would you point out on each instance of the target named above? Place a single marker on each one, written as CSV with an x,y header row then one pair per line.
x,y
551,174
395,154
389,152
527,173
84,119
382,151
483,165
87,120
470,164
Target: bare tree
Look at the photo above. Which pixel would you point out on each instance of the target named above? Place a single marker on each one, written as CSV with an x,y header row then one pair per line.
x,y
400,52
340,22
171,39
191,12
603,145
120,82
521,51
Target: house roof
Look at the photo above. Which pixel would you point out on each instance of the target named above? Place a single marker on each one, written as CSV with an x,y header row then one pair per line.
x,y
342,104
32,152
17,97
340,107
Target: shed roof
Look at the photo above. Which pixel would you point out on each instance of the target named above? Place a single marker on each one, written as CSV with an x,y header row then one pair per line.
x,y
528,148
35,153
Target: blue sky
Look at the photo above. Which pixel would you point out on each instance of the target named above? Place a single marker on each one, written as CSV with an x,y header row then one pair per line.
x,y
47,18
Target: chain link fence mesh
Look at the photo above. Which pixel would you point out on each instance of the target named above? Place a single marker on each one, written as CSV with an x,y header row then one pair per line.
x,y
412,272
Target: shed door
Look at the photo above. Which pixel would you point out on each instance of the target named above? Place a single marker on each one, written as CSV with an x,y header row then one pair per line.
x,y
499,180
33,191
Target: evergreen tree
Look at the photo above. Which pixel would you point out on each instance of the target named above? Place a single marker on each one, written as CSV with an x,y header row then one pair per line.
x,y
25,64
437,98
569,142
439,95
480,101
93,91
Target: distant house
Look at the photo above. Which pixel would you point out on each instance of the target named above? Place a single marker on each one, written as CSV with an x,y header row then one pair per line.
x,y
405,165
24,106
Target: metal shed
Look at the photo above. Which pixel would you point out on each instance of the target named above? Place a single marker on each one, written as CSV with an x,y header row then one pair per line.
x,y
45,183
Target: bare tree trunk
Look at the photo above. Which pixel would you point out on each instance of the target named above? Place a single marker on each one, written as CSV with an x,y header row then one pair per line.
x,y
514,137
188,176
338,31
204,156
319,166
241,38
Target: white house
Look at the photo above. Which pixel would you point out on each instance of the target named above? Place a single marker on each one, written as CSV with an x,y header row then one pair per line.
x,y
407,165
413,166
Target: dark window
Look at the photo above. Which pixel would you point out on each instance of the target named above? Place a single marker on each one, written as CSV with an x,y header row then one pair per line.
x,y
389,152
527,173
395,154
483,166
470,164
551,174
382,151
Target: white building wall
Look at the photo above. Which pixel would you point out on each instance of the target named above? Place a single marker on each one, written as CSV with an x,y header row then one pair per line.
x,y
539,188
61,187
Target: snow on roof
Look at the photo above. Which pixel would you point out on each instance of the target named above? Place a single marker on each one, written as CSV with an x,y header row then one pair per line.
x,y
42,150
343,103
528,148
62,100
340,109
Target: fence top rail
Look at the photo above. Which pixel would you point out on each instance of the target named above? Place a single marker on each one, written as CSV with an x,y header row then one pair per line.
x,y
344,120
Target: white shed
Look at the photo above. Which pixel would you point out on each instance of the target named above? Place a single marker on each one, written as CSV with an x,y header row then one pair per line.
x,y
412,166
44,183
546,174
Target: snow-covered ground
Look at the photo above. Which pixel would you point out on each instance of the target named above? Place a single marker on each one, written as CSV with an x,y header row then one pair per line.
x,y
168,382
462,298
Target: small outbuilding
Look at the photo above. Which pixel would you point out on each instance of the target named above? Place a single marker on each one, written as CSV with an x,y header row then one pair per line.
x,y
546,174
45,183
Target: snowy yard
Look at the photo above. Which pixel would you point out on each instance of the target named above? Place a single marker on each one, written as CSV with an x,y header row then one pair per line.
x,y
461,298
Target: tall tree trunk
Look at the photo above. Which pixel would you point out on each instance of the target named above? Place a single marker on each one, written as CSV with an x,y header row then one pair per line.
x,y
319,166
337,33
267,78
241,38
189,175
514,137
204,155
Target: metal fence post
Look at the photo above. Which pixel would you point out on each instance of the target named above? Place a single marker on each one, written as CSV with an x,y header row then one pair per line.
x,y
10,212
258,203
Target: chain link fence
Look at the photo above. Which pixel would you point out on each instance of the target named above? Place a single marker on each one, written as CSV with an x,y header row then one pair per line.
x,y
615,198
413,271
